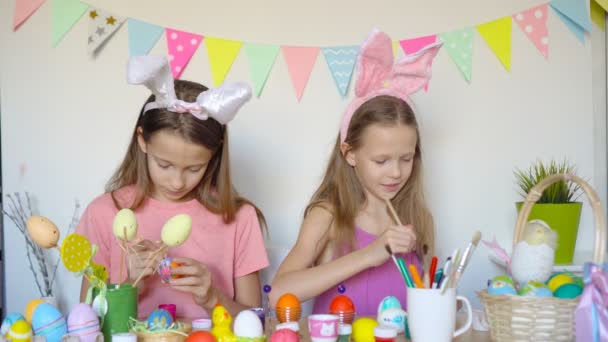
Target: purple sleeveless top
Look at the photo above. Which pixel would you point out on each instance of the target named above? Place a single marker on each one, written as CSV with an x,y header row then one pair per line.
x,y
367,288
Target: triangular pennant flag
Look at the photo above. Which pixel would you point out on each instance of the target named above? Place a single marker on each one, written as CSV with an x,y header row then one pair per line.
x,y
181,46
497,35
261,58
578,31
23,10
222,53
411,46
102,25
65,14
300,61
575,10
603,3
533,22
598,14
142,37
459,45
341,62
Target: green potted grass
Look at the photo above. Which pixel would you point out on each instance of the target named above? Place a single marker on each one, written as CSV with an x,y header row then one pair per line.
x,y
558,205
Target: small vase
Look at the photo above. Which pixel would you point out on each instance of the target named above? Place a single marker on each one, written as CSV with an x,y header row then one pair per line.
x,y
50,300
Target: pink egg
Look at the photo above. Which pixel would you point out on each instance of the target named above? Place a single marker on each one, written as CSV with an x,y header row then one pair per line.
x,y
284,335
83,322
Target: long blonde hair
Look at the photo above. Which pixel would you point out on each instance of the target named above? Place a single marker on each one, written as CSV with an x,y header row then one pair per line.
x,y
341,189
215,190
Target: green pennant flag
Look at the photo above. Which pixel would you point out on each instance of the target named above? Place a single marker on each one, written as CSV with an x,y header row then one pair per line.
x,y
65,14
261,58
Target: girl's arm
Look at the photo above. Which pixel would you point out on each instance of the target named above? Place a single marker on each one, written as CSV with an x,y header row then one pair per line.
x,y
247,294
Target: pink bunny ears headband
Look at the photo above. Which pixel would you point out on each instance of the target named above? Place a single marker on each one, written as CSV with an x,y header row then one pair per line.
x,y
221,103
377,74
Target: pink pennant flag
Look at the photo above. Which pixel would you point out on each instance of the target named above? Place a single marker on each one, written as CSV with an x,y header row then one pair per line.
x,y
300,61
411,46
181,46
534,24
23,10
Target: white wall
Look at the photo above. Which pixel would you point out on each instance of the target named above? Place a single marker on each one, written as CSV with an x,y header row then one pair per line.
x,y
68,117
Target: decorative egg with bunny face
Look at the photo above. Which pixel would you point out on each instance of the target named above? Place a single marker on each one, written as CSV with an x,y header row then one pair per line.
x,y
159,319
502,285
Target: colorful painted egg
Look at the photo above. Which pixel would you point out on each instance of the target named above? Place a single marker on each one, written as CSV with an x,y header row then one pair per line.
x,y
568,291
159,319
20,331
558,280
288,300
248,324
285,335
394,318
165,269
535,289
176,230
389,302
502,285
9,320
125,222
30,307
363,329
48,322
201,336
341,303
43,231
83,322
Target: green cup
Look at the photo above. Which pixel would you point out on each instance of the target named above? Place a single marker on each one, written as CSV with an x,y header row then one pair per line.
x,y
122,305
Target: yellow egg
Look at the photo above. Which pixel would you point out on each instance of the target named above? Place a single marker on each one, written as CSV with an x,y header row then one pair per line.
x,y
30,307
176,230
363,329
43,231
557,281
20,332
125,220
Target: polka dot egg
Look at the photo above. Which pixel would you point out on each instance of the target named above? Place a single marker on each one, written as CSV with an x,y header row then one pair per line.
x,y
20,331
49,322
9,321
83,322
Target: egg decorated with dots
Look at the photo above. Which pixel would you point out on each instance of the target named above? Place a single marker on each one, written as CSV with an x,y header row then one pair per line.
x,y
20,331
125,222
43,231
176,230
159,319
9,320
75,252
49,322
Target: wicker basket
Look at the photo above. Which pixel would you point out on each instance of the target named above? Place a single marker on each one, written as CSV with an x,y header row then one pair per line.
x,y
165,336
520,318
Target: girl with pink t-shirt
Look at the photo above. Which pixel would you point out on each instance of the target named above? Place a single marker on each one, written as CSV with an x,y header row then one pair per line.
x,y
177,163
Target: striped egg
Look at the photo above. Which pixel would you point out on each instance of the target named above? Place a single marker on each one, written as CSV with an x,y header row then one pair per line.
x,y
49,322
9,320
83,322
20,331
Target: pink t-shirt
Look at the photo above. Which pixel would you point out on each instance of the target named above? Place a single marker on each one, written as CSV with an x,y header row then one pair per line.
x,y
228,250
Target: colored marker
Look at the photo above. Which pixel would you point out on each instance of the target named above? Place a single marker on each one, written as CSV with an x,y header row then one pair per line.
x,y
404,273
432,271
416,276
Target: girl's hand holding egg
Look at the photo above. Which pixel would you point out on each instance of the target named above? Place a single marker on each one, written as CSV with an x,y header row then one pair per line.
x,y
193,277
396,239
144,251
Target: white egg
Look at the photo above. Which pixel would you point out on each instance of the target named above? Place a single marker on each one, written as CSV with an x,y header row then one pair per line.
x,y
125,220
248,324
176,230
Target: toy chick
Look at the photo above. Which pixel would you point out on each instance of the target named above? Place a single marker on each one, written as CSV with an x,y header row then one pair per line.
x,y
221,320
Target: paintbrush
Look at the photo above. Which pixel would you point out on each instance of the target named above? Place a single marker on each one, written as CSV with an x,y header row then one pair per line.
x,y
466,256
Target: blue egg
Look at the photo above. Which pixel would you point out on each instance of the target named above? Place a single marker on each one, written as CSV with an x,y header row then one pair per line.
x,y
9,320
501,285
535,289
159,319
389,302
568,291
49,322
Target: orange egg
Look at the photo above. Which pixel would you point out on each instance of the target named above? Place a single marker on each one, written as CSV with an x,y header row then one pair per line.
x,y
201,336
288,300
341,303
175,265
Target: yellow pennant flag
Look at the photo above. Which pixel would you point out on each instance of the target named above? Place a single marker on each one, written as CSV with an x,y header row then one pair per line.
x,y
603,3
598,14
222,53
396,48
497,35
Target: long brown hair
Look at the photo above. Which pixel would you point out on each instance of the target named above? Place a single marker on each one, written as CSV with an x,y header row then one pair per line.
x,y
342,190
215,190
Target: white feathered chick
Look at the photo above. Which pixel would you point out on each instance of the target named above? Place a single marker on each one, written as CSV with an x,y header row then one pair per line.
x,y
534,255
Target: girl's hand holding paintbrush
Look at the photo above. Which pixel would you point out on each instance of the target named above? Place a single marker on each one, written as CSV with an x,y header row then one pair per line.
x,y
396,239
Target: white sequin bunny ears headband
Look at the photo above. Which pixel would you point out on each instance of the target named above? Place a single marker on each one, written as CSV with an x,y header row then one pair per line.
x,y
221,103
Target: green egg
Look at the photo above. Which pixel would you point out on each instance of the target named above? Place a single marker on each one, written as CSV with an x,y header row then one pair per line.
x,y
568,291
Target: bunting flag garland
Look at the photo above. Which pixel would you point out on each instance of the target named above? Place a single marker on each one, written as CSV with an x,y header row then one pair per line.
x,y
181,46
300,61
459,46
497,35
142,37
222,53
598,14
261,58
23,10
341,62
340,59
102,25
533,22
65,14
